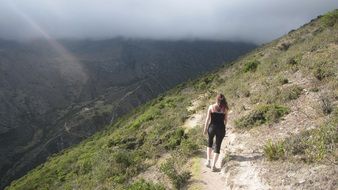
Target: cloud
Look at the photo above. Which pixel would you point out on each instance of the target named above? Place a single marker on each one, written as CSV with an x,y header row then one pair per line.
x,y
247,20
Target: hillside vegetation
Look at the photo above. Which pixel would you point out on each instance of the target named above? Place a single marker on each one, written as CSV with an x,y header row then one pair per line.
x,y
283,96
52,99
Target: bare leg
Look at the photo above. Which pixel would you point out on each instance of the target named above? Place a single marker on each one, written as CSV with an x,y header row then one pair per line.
x,y
208,152
215,160
207,163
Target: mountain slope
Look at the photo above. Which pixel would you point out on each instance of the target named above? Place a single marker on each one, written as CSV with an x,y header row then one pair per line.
x,y
286,89
55,94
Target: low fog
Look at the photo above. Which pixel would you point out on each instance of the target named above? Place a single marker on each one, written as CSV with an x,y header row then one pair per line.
x,y
247,20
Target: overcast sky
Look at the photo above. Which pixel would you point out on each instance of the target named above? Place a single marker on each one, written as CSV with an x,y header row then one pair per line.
x,y
247,20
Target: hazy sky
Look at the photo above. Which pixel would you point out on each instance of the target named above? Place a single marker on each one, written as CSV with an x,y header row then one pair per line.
x,y
250,20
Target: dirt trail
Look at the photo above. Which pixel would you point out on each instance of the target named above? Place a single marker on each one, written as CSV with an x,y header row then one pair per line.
x,y
242,168
239,165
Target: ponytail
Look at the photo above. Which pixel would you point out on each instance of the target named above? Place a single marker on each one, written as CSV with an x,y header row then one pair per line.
x,y
222,102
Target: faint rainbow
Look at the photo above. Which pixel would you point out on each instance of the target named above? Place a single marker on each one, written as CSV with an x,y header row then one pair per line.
x,y
70,68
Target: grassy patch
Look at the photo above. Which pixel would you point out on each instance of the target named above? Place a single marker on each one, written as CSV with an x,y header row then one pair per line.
x,y
326,105
145,185
283,80
291,93
330,19
274,151
322,72
268,113
251,66
207,81
177,177
310,146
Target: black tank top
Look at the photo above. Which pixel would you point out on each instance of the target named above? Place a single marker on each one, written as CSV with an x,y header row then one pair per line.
x,y
217,118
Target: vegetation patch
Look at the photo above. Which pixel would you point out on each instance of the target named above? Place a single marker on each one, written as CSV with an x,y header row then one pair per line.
x,y
283,81
111,158
251,66
274,151
326,105
206,81
330,19
268,113
145,185
321,73
291,93
294,60
177,177
309,146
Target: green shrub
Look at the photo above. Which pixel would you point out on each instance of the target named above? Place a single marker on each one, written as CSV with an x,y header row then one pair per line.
x,y
309,146
291,93
274,151
321,73
314,89
293,60
268,113
124,158
330,19
83,166
190,146
177,179
246,93
206,81
149,115
174,138
326,105
251,66
145,185
283,81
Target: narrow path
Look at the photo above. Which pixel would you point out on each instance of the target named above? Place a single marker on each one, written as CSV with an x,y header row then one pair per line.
x,y
238,164
242,166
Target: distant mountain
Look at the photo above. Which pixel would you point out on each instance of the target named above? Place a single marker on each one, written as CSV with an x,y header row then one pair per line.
x,y
55,94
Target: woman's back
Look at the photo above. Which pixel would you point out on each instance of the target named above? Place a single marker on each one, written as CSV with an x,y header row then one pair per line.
x,y
217,118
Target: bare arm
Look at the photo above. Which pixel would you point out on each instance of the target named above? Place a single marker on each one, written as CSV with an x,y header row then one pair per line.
x,y
207,120
225,117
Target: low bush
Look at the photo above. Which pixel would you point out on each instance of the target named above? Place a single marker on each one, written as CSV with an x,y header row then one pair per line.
x,y
330,19
326,105
149,115
206,81
310,146
192,143
274,151
321,73
292,61
291,93
173,139
283,81
145,185
251,66
177,178
268,113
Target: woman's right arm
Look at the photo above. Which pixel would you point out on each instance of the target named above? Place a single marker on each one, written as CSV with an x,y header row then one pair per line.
x,y
226,117
207,121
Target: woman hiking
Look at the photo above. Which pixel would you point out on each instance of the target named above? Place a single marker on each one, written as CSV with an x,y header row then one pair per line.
x,y
215,126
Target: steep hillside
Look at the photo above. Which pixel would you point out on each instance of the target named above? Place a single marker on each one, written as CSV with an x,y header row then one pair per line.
x,y
282,131
55,94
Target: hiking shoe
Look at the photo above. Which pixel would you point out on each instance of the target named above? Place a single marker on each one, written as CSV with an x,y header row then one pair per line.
x,y
207,163
214,169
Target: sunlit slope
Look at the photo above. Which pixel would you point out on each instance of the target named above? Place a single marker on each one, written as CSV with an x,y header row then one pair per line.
x,y
261,88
